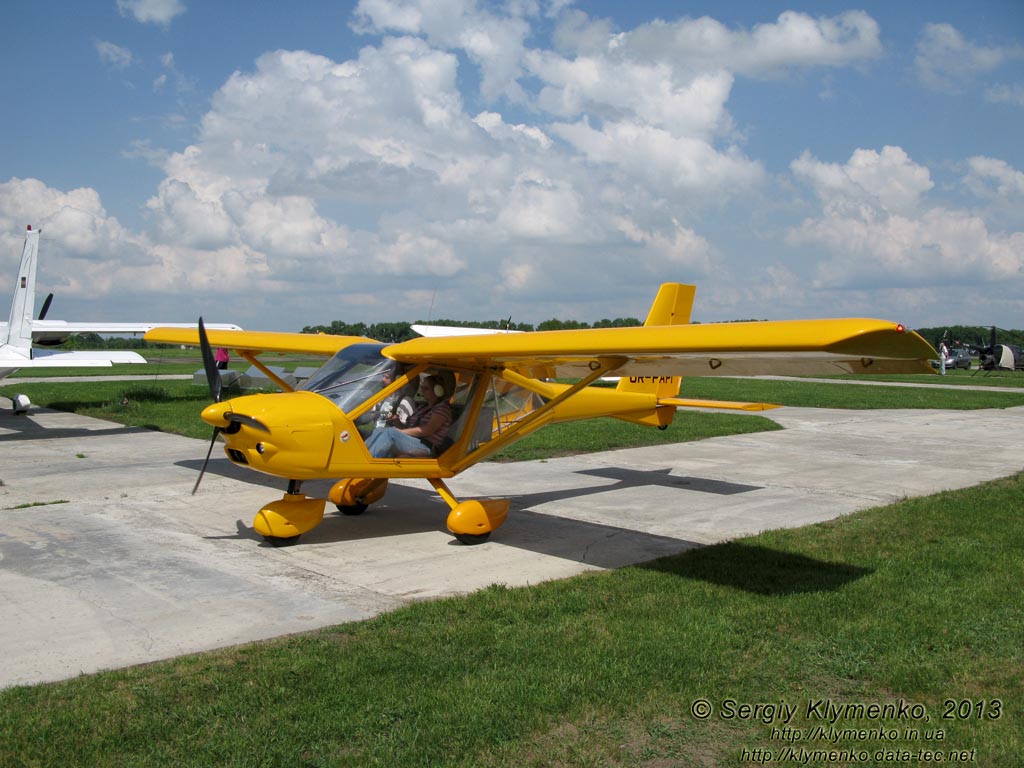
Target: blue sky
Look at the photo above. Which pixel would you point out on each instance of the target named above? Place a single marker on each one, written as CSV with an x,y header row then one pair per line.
x,y
281,165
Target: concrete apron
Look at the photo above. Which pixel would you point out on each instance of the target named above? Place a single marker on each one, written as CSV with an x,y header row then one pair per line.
x,y
115,563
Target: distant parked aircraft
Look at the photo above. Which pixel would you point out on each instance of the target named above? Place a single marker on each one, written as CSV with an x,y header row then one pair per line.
x,y
20,335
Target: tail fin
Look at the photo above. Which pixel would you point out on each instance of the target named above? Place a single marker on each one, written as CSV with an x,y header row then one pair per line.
x,y
672,306
19,328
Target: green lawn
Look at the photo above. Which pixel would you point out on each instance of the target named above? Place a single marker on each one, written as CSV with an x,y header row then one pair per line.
x,y
958,377
913,607
174,406
855,396
163,363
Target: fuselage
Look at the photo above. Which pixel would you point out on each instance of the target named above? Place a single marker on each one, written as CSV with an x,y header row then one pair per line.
x,y
321,430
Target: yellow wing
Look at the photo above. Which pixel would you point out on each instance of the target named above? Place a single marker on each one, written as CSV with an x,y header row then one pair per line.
x,y
257,341
790,347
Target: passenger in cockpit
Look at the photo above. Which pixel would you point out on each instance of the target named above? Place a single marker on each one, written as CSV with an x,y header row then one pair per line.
x,y
397,408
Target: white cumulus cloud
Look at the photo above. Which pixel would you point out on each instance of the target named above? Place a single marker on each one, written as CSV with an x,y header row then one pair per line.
x,y
113,55
888,180
151,11
946,60
794,40
878,228
991,176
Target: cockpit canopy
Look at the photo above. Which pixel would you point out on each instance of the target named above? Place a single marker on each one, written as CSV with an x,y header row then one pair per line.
x,y
353,375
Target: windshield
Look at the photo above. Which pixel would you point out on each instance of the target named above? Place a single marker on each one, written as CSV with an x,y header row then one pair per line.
x,y
354,375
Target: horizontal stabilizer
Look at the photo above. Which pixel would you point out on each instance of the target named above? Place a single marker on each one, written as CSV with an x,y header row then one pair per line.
x,y
729,405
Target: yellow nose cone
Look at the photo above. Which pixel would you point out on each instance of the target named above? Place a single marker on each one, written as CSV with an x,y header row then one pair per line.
x,y
214,414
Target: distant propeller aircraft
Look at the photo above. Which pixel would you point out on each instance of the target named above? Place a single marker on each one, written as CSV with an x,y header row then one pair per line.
x,y
500,388
1000,357
20,335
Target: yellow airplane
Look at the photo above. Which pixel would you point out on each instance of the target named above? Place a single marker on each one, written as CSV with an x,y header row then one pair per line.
x,y
499,388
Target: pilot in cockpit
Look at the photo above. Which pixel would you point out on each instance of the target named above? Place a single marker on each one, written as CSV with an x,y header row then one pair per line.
x,y
427,427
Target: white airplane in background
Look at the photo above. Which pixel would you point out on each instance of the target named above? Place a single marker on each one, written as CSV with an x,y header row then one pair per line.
x,y
21,331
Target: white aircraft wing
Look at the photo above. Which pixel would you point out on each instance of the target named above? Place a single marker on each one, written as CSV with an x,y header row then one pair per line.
x,y
56,331
437,331
78,359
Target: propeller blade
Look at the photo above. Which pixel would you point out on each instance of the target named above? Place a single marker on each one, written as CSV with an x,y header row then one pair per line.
x,y
216,431
249,421
209,364
46,307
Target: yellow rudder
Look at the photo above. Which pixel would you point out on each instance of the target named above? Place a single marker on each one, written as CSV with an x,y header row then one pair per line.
x,y
672,306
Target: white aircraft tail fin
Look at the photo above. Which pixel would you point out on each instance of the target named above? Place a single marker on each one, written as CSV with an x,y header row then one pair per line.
x,y
19,327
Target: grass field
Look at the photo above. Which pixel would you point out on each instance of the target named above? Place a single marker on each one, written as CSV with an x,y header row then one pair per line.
x,y
174,406
177,362
959,377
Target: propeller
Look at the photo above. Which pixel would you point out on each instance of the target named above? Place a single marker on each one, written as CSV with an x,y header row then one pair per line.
x,y
236,420
46,307
216,387
209,364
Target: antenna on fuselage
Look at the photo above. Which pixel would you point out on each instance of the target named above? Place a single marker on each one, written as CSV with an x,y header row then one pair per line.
x,y
430,312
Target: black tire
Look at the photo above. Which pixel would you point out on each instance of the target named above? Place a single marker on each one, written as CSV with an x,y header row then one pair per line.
x,y
281,541
351,511
470,539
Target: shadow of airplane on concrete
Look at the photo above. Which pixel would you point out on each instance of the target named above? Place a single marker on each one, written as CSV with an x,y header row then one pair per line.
x,y
407,510
25,427
632,478
625,478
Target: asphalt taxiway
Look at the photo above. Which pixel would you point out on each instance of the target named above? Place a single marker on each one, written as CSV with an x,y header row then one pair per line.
x,y
106,560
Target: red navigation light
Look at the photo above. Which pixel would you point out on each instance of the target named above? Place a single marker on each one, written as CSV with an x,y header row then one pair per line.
x,y
29,227
900,328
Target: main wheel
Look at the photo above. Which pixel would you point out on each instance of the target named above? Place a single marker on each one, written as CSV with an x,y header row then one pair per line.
x,y
352,509
473,538
281,541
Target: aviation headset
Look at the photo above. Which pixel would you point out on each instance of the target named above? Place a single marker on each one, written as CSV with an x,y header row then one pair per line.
x,y
436,385
442,383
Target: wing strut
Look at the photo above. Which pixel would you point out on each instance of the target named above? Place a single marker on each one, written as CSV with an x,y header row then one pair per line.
x,y
604,365
249,356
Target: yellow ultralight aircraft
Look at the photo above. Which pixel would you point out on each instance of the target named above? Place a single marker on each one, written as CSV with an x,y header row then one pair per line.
x,y
500,388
